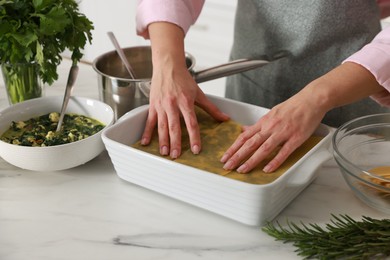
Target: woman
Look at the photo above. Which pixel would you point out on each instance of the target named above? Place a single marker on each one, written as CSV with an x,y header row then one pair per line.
x,y
317,35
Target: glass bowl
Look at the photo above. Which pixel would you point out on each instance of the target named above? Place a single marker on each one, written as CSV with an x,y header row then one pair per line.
x,y
362,151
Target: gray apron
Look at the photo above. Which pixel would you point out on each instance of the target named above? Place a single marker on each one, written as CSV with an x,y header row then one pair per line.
x,y
317,34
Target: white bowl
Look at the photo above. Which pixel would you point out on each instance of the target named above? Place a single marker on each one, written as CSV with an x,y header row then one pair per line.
x,y
59,157
251,204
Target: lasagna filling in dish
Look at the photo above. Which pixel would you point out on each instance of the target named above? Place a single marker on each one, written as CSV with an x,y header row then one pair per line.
x,y
216,139
41,130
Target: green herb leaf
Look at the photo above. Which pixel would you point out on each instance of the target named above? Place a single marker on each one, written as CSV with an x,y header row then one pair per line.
x,y
26,38
40,31
40,5
343,238
55,21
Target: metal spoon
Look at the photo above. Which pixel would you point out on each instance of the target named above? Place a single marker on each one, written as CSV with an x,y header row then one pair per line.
x,y
121,54
69,86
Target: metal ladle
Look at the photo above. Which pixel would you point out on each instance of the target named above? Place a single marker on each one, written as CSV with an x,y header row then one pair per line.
x,y
68,90
121,54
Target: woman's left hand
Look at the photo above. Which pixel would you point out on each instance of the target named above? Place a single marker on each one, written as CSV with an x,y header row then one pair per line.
x,y
292,122
287,126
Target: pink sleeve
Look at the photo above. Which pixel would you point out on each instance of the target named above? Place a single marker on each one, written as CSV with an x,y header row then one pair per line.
x,y
180,12
375,57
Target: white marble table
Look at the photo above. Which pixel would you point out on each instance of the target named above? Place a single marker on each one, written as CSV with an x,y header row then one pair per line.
x,y
89,213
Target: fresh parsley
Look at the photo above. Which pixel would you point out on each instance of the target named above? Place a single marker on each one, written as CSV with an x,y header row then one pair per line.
x,y
40,31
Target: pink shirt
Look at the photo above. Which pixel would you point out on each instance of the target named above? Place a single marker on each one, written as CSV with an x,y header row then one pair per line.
x,y
182,13
375,56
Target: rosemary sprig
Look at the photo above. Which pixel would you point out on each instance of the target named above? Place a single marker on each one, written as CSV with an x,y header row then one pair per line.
x,y
342,238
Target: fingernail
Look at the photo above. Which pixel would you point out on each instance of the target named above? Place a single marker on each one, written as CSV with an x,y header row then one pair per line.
x,y
144,141
243,168
224,158
195,149
174,154
267,168
228,165
164,150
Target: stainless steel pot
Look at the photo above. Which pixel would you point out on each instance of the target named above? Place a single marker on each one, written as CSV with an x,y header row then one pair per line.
x,y
122,93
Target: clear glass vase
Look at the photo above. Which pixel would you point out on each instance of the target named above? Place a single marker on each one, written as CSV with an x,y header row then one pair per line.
x,y
22,81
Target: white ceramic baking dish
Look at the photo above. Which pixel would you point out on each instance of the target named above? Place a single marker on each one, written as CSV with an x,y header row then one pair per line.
x,y
251,204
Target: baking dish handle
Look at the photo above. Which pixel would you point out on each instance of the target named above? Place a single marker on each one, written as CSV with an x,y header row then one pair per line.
x,y
303,175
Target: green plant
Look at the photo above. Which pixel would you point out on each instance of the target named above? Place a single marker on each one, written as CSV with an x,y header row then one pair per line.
x,y
39,31
22,81
345,238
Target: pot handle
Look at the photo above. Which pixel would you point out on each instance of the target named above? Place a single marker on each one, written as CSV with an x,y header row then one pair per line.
x,y
234,67
216,72
227,69
223,70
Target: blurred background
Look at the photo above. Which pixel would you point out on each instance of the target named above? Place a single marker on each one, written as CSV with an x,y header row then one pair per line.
x,y
209,40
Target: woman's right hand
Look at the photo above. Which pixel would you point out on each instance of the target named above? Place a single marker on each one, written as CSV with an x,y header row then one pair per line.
x,y
174,93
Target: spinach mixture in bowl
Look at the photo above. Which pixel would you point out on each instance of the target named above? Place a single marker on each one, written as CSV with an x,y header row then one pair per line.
x,y
41,130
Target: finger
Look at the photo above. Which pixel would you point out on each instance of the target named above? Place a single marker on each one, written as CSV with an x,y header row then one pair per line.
x,y
163,134
193,130
245,127
287,149
204,103
174,129
262,152
239,142
247,149
150,124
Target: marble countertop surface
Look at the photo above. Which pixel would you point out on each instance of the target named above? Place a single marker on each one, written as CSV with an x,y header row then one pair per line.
x,y
89,213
